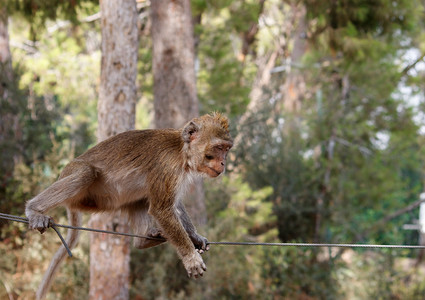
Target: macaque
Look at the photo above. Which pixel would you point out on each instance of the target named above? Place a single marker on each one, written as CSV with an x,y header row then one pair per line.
x,y
144,174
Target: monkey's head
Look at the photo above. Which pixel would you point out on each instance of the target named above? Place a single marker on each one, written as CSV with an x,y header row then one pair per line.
x,y
207,142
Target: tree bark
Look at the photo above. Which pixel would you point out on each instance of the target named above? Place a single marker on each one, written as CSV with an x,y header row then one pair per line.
x,y
109,254
293,90
175,96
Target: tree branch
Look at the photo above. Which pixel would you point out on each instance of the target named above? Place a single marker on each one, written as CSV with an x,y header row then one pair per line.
x,y
411,66
399,212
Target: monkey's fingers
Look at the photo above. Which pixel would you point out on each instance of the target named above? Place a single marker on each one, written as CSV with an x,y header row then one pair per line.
x,y
194,265
198,272
201,270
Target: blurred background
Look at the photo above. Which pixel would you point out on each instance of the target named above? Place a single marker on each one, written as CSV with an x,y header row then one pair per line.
x,y
327,109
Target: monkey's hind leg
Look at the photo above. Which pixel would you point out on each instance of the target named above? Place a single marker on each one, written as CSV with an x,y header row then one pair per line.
x,y
143,224
71,186
155,239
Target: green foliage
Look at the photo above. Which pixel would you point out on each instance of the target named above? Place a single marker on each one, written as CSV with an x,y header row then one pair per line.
x,y
63,74
381,19
10,105
380,276
32,136
293,273
215,90
351,155
280,163
225,76
37,12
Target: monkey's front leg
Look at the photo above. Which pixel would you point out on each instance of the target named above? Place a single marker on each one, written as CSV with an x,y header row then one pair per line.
x,y
173,230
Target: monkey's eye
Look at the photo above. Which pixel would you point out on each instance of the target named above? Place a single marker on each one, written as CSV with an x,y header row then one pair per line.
x,y
209,157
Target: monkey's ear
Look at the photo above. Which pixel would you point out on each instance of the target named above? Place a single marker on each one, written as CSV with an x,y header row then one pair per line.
x,y
190,132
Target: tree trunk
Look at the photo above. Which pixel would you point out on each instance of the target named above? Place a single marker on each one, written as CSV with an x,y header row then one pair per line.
x,y
109,254
293,90
173,63
175,98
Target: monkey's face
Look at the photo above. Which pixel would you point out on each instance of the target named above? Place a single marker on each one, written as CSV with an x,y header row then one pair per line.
x,y
208,141
214,160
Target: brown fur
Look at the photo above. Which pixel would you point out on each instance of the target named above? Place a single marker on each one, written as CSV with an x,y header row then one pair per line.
x,y
144,174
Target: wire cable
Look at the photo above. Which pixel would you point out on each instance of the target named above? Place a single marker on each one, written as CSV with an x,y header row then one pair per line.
x,y
319,245
225,243
54,226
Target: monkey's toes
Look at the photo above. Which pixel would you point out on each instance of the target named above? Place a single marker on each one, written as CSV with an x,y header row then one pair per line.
x,y
144,243
40,222
203,249
200,243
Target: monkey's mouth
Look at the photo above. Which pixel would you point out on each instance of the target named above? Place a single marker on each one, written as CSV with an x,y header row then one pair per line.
x,y
215,172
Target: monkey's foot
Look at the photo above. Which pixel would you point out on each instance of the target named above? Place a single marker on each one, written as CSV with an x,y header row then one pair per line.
x,y
39,221
200,243
194,264
145,243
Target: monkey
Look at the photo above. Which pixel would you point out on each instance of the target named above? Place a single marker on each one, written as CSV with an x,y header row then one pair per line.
x,y
144,174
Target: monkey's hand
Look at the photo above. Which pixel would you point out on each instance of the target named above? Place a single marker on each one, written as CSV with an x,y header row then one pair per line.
x,y
200,242
39,221
194,264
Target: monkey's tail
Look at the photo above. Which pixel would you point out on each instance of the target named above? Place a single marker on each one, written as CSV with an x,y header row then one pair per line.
x,y
71,239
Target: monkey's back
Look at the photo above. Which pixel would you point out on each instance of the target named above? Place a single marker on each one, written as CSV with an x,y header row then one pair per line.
x,y
134,148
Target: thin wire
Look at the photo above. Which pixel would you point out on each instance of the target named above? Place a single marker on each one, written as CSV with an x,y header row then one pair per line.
x,y
25,220
62,240
54,225
318,245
